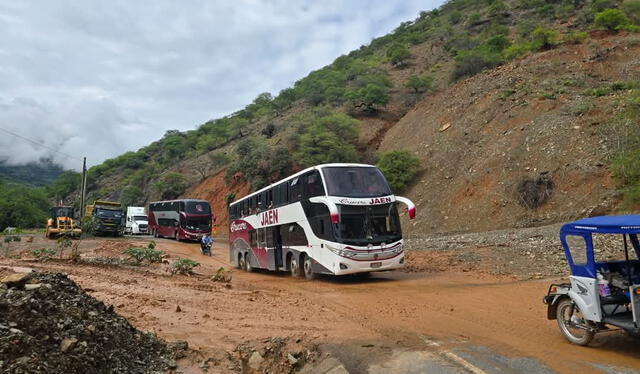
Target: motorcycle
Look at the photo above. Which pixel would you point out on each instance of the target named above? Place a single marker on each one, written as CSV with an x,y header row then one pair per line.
x,y
206,249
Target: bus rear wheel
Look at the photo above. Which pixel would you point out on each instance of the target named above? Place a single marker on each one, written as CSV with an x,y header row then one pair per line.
x,y
247,263
308,268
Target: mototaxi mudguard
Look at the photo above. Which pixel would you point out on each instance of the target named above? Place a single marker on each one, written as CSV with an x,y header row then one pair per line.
x,y
552,299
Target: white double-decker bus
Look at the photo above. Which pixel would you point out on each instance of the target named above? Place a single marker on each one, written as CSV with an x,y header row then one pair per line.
x,y
327,219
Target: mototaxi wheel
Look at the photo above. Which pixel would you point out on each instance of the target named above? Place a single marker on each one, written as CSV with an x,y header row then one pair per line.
x,y
572,323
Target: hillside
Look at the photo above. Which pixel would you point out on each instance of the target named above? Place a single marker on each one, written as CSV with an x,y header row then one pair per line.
x,y
493,97
528,120
34,175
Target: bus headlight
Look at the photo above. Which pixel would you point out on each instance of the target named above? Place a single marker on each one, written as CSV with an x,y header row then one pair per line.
x,y
342,252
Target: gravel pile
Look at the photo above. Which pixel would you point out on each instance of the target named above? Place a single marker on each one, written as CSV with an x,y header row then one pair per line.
x,y
533,252
50,325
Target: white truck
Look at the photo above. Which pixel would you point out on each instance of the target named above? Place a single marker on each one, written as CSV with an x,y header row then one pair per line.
x,y
137,222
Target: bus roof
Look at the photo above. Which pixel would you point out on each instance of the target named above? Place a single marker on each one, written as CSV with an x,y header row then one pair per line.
x,y
316,167
175,200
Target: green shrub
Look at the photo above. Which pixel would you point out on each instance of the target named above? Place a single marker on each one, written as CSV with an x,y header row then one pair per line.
x,y
222,276
470,63
259,163
43,254
419,83
542,38
632,10
576,37
151,245
171,185
516,50
611,19
398,54
139,255
399,167
183,266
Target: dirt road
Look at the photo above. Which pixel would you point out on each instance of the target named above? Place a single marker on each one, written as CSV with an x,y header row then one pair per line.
x,y
404,322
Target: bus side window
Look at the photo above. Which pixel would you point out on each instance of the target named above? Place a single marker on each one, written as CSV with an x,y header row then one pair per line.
x,y
269,200
284,193
294,190
313,185
276,196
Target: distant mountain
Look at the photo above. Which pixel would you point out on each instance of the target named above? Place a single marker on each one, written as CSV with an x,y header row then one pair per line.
x,y
33,174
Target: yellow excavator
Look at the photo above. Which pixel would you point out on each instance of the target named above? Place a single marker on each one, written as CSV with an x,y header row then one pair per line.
x,y
62,223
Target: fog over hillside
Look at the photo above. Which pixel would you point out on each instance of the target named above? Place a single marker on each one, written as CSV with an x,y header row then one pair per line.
x,y
99,79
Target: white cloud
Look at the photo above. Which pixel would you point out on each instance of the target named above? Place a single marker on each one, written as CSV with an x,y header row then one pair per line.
x,y
102,78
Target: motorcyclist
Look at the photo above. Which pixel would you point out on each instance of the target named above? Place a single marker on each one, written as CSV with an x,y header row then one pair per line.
x,y
206,243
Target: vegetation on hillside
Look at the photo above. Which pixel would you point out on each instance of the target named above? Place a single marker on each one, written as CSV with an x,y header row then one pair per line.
x,y
319,117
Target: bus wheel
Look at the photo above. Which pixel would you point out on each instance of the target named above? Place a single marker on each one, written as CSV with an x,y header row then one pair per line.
x,y
247,263
308,268
294,267
240,261
155,233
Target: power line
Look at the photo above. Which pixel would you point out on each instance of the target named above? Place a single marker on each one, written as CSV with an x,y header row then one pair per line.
x,y
39,144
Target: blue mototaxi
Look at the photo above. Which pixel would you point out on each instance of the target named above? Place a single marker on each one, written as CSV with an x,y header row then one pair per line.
x,y
601,295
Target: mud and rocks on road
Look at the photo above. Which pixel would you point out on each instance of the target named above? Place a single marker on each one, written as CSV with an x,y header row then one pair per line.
x,y
50,325
275,355
448,302
526,253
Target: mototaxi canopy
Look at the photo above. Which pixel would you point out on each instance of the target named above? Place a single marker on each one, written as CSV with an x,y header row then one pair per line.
x,y
628,225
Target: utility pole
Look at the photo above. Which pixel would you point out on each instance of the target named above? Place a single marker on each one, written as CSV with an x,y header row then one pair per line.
x,y
83,188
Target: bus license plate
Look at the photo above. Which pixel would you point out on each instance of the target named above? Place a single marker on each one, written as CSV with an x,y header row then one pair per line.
x,y
376,264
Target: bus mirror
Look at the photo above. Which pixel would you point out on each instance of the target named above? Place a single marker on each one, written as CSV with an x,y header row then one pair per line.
x,y
411,207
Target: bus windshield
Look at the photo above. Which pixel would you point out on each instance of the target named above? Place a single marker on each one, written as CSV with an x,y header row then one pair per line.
x,y
139,218
198,223
198,207
354,181
372,224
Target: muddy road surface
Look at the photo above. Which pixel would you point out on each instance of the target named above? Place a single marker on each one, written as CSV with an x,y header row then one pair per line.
x,y
458,321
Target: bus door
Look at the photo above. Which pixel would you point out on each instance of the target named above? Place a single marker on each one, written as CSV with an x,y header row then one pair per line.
x,y
274,248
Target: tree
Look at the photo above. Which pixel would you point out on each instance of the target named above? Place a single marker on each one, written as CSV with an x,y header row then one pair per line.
x,y
171,185
419,83
66,183
259,163
399,167
330,138
611,19
132,196
398,54
23,207
369,97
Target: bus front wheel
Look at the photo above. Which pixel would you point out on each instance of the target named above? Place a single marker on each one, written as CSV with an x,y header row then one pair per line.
x,y
308,268
294,267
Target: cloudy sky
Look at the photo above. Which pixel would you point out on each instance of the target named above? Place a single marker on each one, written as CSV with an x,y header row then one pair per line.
x,y
99,78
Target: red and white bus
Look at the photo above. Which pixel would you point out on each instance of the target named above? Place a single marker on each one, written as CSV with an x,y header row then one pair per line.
x,y
184,219
328,219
